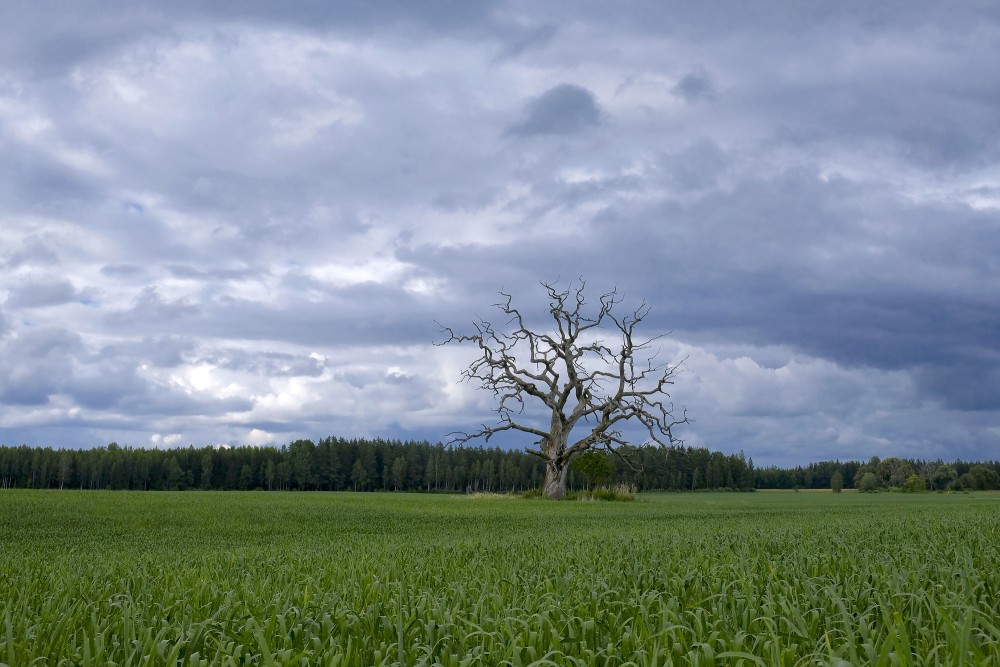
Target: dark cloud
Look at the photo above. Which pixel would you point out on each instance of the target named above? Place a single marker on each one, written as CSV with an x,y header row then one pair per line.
x,y
51,36
366,312
210,274
36,364
530,39
123,271
437,15
564,109
954,130
694,87
696,167
963,386
173,404
893,332
159,351
42,343
107,386
149,310
269,364
749,266
32,251
38,294
27,387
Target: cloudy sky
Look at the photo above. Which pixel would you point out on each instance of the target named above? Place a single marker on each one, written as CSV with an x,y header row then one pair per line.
x,y
237,221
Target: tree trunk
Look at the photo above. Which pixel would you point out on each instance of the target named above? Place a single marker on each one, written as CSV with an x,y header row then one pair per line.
x,y
556,472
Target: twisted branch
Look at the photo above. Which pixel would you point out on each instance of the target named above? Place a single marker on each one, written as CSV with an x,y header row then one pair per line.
x,y
576,380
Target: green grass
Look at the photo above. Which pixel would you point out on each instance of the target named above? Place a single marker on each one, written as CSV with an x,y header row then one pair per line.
x,y
123,578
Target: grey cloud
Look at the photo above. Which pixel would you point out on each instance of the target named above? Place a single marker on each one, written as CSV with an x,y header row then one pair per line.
x,y
158,351
267,364
737,266
50,36
955,131
814,24
36,364
172,404
965,386
694,87
530,39
168,352
43,342
41,293
956,138
922,334
845,269
466,201
36,180
54,361
27,386
104,386
696,167
212,274
435,16
371,313
564,109
33,251
108,380
150,310
123,271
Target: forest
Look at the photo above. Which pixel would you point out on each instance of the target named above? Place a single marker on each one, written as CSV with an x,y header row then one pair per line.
x,y
339,464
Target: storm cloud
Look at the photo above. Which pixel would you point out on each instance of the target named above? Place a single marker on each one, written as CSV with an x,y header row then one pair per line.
x,y
238,222
564,109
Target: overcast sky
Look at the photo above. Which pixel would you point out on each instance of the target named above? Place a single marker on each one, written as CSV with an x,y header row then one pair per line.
x,y
237,221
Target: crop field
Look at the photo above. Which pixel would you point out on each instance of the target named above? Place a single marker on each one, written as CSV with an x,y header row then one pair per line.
x,y
255,578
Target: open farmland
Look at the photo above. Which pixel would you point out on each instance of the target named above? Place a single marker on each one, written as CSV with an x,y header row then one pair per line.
x,y
129,578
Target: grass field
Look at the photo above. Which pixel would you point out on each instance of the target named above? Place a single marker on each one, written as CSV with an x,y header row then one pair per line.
x,y
123,578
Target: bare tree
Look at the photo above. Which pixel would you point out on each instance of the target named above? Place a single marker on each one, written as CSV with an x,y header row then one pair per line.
x,y
573,377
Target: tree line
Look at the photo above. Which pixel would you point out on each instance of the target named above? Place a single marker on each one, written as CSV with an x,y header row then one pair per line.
x,y
891,473
339,464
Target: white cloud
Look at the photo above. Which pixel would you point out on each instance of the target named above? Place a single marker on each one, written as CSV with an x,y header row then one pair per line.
x,y
366,271
165,440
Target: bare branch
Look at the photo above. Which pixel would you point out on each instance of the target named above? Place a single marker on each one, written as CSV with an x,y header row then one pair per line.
x,y
572,376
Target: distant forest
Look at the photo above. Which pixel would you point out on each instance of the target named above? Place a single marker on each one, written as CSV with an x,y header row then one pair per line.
x,y
338,464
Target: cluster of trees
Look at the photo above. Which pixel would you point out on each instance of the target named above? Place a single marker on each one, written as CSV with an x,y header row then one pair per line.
x,y
915,476
338,464
884,474
332,464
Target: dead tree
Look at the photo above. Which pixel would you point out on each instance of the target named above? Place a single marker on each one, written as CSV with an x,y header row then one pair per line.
x,y
573,377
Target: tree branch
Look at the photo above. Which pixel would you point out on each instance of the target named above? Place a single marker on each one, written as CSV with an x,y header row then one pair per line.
x,y
574,375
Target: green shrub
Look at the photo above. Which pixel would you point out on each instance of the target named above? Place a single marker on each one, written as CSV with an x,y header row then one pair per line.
x,y
837,482
868,483
914,484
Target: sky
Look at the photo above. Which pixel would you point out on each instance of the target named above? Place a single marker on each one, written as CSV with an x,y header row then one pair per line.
x,y
239,222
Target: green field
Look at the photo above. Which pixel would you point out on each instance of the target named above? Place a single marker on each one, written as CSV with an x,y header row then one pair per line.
x,y
216,578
